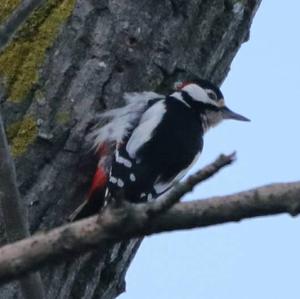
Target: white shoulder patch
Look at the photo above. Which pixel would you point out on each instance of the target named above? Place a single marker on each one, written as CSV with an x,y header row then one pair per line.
x,y
121,120
143,132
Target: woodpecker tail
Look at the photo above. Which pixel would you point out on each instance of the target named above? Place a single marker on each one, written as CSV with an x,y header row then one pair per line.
x,y
94,200
91,206
77,214
95,197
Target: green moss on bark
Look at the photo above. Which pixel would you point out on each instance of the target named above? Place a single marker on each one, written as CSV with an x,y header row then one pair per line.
x,y
21,60
7,7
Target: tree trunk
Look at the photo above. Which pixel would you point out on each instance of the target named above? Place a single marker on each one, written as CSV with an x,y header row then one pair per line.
x,y
72,59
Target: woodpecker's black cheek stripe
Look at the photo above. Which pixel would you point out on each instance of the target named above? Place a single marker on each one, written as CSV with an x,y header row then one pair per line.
x,y
187,98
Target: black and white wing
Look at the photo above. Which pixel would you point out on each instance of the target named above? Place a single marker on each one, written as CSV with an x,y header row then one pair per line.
x,y
122,120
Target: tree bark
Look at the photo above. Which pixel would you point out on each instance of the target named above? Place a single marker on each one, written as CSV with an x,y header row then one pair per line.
x,y
74,58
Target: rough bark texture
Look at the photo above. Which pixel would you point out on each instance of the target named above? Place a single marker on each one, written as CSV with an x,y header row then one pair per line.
x,y
78,57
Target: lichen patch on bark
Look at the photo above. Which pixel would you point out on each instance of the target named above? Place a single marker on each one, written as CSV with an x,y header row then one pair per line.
x,y
21,60
22,134
63,117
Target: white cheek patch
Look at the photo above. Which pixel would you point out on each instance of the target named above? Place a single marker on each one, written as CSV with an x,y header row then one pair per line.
x,y
198,94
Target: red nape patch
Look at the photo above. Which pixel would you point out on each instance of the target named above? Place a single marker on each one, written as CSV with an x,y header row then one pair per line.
x,y
99,181
180,85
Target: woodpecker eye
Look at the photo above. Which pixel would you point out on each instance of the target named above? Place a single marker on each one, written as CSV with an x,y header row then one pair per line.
x,y
212,95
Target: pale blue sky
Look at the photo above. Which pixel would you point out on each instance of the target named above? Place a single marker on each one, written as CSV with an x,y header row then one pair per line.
x,y
256,258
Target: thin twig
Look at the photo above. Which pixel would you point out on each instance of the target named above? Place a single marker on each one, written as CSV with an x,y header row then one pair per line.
x,y
16,226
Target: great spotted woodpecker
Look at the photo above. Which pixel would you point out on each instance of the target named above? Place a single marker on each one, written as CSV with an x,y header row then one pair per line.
x,y
154,139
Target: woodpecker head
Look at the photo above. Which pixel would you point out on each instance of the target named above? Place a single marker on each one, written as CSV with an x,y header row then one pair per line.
x,y
207,100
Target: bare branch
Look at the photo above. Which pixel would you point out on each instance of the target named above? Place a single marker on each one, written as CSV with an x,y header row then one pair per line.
x,y
167,200
131,220
16,226
17,18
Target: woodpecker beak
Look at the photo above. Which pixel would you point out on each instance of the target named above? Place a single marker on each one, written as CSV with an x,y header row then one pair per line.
x,y
228,114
